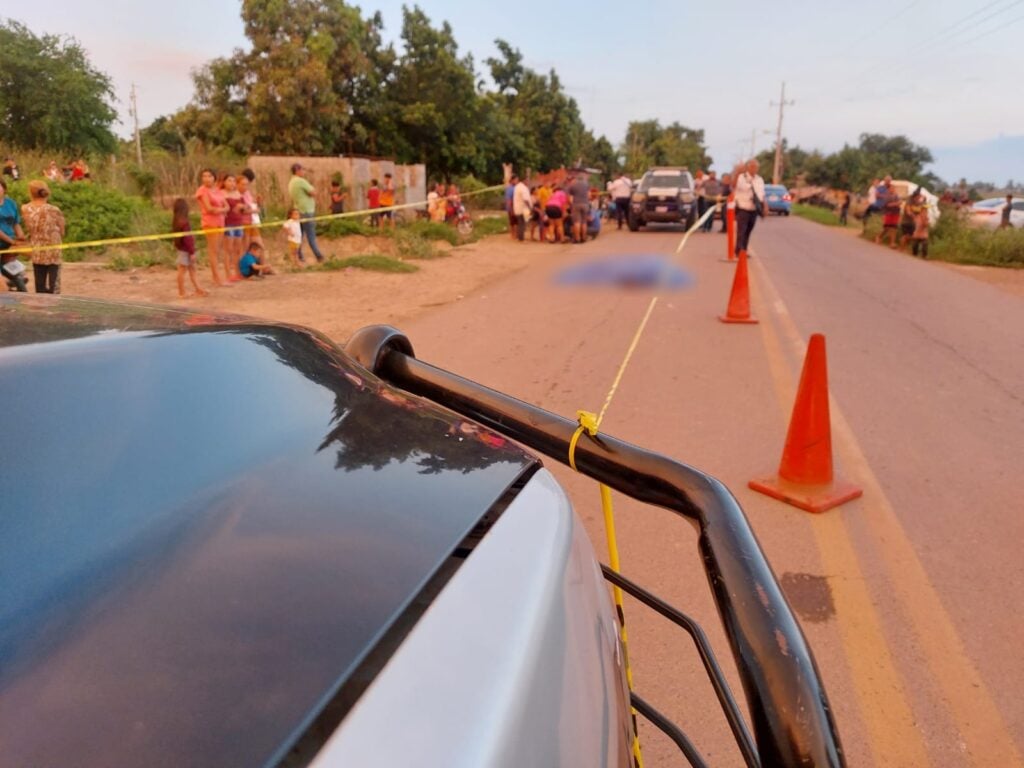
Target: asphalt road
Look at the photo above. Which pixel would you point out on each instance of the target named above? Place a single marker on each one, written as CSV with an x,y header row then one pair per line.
x,y
909,596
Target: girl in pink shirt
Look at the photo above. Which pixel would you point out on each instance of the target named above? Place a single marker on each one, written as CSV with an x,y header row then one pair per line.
x,y
212,207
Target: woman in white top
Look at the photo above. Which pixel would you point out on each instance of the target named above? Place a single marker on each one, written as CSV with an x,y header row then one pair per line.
x,y
750,203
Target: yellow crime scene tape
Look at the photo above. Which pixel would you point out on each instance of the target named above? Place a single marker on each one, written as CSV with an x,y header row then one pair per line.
x,y
213,230
590,423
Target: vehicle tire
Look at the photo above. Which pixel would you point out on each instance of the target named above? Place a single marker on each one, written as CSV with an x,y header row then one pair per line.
x,y
465,226
631,220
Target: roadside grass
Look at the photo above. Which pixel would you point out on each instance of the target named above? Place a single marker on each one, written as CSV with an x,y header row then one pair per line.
x,y
822,215
372,262
487,226
952,239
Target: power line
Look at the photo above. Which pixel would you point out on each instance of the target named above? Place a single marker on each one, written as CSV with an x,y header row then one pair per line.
x,y
998,28
945,36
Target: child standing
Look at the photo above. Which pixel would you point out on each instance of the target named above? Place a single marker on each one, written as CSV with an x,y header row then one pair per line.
x,y
921,227
338,197
185,247
373,201
293,229
233,220
387,199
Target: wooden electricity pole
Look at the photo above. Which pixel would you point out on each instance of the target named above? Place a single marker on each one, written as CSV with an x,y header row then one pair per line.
x,y
777,166
134,110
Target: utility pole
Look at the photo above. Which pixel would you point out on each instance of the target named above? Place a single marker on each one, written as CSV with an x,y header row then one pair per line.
x,y
777,166
134,111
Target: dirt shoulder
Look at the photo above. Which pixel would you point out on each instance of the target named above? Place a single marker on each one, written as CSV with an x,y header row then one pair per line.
x,y
335,303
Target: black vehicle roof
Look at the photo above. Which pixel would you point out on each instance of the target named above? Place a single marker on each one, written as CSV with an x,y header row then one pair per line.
x,y
207,524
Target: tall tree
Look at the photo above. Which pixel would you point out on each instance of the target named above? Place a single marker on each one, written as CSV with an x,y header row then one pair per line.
x,y
647,143
51,97
434,94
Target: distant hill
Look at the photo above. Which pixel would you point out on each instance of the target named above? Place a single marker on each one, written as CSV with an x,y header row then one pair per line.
x,y
996,160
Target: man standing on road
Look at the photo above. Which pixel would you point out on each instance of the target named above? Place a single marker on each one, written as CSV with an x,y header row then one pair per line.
x,y
521,206
712,192
725,191
579,191
619,191
750,203
302,195
874,204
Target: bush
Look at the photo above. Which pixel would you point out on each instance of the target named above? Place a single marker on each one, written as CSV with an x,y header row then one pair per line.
x,y
489,225
487,201
953,239
412,245
345,227
92,211
432,230
375,262
145,181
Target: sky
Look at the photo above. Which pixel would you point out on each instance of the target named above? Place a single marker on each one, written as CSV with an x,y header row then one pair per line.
x,y
945,73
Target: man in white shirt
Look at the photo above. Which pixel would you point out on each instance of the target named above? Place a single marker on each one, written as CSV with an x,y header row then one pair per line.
x,y
620,191
750,203
521,206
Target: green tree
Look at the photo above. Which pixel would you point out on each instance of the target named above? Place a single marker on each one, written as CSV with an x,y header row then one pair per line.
x,y
434,95
647,143
51,97
290,92
547,119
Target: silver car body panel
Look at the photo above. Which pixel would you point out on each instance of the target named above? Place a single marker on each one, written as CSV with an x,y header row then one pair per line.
x,y
517,662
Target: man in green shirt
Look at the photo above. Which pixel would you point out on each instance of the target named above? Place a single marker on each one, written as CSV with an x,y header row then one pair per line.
x,y
302,195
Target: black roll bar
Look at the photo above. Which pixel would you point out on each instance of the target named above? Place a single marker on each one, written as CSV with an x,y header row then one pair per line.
x,y
790,713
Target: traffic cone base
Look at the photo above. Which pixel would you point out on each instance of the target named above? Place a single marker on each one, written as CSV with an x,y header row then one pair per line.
x,y
811,498
804,478
738,310
748,320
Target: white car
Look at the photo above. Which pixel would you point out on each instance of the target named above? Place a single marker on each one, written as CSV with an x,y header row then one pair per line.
x,y
988,213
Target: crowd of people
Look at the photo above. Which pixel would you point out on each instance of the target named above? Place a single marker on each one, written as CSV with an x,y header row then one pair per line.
x,y
906,220
74,170
553,212
38,224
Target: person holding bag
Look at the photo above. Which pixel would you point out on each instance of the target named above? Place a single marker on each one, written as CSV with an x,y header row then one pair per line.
x,y
750,203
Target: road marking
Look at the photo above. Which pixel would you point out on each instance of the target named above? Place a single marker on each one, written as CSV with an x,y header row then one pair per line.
x,y
893,737
884,707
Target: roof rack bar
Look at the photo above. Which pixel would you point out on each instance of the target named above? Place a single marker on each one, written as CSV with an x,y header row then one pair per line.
x,y
707,656
670,729
791,716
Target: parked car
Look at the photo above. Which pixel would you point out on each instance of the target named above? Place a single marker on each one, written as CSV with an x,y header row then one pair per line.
x,y
778,198
988,213
663,196
228,542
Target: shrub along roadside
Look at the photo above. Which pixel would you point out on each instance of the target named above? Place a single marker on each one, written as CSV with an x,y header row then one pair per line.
x,y
374,262
951,239
822,215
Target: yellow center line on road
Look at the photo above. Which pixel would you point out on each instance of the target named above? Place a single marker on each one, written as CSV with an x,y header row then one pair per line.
x,y
884,705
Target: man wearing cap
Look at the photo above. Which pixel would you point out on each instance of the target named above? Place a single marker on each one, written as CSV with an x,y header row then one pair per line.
x,y
302,195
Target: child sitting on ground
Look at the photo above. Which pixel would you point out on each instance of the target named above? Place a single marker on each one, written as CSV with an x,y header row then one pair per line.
x,y
293,229
249,265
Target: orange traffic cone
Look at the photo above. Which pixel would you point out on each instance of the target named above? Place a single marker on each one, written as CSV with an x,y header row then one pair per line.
x,y
805,472
739,299
730,228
